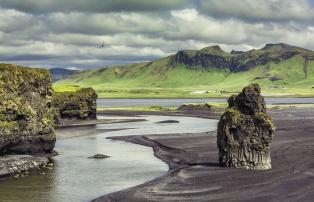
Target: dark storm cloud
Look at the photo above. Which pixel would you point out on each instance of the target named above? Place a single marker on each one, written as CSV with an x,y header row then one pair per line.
x,y
47,6
265,10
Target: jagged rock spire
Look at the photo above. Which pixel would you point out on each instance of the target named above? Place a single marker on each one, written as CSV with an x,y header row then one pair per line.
x,y
245,131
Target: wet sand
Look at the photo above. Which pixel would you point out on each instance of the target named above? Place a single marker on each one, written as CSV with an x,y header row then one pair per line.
x,y
194,174
76,128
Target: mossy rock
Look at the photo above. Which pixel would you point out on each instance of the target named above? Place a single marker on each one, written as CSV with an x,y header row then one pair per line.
x,y
80,104
245,132
26,113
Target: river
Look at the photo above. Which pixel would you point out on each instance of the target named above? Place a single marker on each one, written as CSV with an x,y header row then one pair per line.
x,y
75,177
177,102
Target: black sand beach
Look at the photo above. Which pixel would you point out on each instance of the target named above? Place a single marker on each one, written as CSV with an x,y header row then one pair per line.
x,y
194,174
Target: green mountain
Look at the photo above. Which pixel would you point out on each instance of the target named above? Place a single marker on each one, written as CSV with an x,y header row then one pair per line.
x,y
60,73
281,70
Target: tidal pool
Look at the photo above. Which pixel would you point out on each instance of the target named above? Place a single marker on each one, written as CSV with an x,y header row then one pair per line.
x,y
75,177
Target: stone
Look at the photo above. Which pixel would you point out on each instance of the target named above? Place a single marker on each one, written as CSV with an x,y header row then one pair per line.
x,y
245,131
79,105
20,165
26,112
195,107
99,156
168,121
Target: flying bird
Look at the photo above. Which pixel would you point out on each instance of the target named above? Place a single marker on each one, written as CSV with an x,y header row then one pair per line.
x,y
101,45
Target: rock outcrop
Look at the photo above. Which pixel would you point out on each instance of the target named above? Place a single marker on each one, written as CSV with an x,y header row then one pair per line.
x,y
20,165
195,107
99,156
76,105
26,112
245,131
236,61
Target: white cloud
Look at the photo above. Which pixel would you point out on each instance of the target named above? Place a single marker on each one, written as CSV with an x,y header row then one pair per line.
x,y
71,39
185,14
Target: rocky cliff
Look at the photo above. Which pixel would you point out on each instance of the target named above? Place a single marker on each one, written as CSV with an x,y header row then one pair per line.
x,y
245,131
236,61
76,105
26,112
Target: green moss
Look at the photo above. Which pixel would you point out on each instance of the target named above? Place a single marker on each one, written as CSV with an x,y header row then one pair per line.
x,y
264,118
80,104
8,124
16,78
233,110
25,110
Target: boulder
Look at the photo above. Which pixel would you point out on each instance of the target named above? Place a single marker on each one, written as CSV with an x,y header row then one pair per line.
x,y
195,107
245,131
99,156
26,112
80,104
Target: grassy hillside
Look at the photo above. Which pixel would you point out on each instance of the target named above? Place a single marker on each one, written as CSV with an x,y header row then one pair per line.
x,y
159,79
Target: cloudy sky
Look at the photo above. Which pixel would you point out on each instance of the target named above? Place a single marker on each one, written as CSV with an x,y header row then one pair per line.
x,y
68,33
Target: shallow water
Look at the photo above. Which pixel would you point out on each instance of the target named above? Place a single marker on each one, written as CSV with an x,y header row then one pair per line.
x,y
78,178
178,102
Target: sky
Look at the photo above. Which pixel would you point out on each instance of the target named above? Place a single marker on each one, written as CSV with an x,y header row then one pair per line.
x,y
82,34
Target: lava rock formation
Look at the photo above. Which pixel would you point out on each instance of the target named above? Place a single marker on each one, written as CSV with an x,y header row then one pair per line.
x,y
26,112
76,105
245,131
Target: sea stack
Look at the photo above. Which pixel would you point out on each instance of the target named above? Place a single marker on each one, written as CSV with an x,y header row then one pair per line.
x,y
78,105
26,112
245,131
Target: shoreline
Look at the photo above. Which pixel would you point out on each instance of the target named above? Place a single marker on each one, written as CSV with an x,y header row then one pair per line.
x,y
78,128
212,97
194,173
20,165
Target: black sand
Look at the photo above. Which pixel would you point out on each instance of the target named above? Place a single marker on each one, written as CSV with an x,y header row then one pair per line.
x,y
194,174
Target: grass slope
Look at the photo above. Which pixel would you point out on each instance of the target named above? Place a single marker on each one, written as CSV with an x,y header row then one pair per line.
x,y
158,79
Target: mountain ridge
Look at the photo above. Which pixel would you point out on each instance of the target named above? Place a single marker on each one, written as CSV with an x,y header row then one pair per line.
x,y
214,56
278,68
61,73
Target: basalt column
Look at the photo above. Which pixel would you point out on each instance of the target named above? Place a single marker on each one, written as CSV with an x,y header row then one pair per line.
x,y
245,131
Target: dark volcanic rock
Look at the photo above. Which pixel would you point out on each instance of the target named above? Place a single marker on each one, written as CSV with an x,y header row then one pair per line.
x,y
236,52
195,107
245,131
208,57
168,121
249,101
236,61
99,156
26,113
76,105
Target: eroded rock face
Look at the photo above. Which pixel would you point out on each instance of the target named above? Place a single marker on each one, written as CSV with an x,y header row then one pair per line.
x,y
245,131
76,105
26,113
236,61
